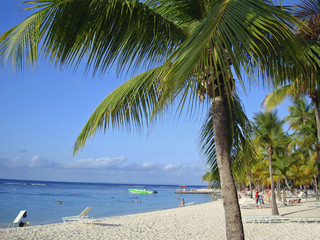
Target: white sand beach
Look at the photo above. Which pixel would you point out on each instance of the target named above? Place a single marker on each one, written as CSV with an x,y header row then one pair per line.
x,y
203,221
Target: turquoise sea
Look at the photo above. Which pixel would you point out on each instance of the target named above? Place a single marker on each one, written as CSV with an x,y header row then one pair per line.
x,y
40,199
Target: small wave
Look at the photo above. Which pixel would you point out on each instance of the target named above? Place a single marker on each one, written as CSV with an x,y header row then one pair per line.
x,y
13,183
38,184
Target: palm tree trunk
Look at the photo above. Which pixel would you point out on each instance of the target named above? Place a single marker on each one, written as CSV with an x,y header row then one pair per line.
x,y
234,227
315,184
250,186
318,158
279,190
274,207
287,184
314,100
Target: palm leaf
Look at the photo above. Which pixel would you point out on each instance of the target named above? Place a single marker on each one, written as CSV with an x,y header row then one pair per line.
x,y
276,97
130,105
268,43
100,32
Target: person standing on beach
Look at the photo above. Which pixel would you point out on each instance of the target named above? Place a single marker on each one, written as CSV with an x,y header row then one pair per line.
x,y
256,197
260,199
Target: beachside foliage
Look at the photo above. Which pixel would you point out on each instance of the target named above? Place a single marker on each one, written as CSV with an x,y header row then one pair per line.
x,y
295,153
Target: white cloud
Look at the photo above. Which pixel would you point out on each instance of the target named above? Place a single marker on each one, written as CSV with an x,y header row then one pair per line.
x,y
96,163
105,168
42,162
15,163
149,165
172,166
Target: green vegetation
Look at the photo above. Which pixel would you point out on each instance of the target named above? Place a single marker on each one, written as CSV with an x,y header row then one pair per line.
x,y
288,157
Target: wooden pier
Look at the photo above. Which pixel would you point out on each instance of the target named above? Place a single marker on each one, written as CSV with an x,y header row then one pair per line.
x,y
197,191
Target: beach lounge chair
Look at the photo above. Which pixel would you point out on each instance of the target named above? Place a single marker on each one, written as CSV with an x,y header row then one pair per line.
x,y
247,203
22,214
188,204
81,217
265,219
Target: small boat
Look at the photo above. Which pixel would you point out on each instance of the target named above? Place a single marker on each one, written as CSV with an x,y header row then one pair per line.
x,y
142,191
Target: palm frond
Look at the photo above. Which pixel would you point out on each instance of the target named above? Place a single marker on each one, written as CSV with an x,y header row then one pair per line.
x,y
244,34
130,105
99,32
308,11
276,97
268,130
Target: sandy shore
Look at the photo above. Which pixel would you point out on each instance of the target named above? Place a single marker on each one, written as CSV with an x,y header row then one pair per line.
x,y
203,221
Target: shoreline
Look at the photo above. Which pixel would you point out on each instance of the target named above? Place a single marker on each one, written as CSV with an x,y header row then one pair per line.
x,y
201,221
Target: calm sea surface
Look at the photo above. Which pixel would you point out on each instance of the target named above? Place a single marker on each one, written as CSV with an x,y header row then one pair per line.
x,y
40,199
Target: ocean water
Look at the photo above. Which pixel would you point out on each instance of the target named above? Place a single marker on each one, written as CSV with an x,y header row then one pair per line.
x,y
40,199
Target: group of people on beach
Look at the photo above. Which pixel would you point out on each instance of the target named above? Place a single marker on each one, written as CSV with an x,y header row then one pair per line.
x,y
262,198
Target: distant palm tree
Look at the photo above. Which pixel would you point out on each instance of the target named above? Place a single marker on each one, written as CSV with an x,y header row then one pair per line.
x,y
299,114
284,160
195,48
303,171
308,12
303,122
268,133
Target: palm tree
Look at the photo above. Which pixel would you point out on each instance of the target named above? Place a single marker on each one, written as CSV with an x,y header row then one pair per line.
x,y
307,11
282,167
303,171
268,134
302,120
196,46
299,114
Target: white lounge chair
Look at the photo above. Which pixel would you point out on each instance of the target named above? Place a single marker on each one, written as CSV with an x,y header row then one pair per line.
x,y
247,203
22,214
264,219
81,217
188,204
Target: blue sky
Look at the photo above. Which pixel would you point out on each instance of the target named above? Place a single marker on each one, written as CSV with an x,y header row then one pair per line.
x,y
43,111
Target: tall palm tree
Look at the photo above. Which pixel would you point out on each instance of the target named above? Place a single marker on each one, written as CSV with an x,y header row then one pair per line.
x,y
195,47
307,11
268,133
282,167
285,158
303,121
300,113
